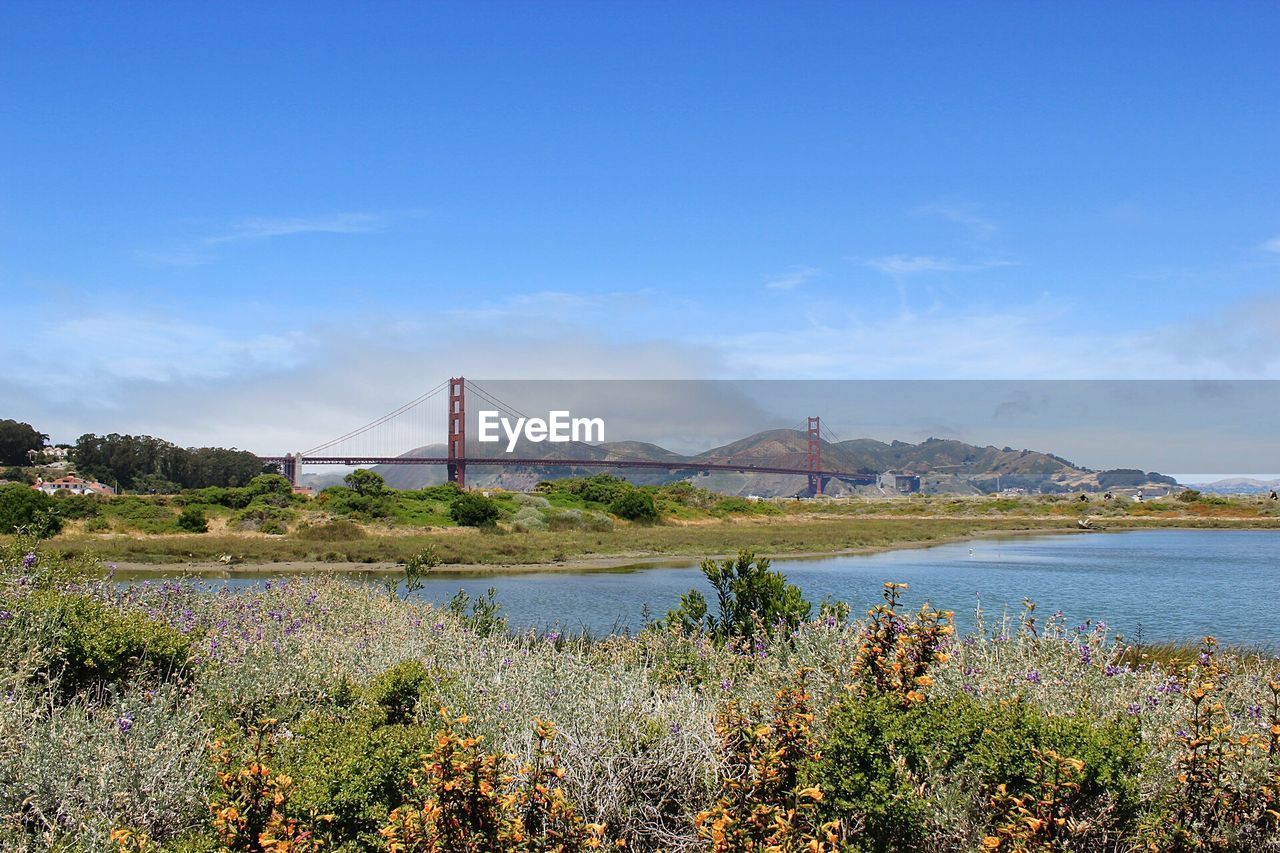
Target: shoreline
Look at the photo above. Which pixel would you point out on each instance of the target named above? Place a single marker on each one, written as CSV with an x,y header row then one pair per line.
x,y
576,564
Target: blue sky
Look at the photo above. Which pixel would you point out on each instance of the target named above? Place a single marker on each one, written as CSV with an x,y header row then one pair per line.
x,y
250,223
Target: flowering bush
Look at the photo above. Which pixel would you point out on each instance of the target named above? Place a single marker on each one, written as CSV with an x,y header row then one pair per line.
x,y
762,805
467,801
665,740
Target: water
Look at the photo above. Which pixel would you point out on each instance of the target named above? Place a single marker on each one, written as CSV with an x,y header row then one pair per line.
x,y
1161,585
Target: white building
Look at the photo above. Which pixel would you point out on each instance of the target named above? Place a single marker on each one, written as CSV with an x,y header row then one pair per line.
x,y
73,485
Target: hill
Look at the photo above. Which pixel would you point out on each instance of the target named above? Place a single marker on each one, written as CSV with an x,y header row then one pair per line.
x,y
944,465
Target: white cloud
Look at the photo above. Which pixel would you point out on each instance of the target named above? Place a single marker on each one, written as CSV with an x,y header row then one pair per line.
x,y
899,266
792,277
1272,245
258,228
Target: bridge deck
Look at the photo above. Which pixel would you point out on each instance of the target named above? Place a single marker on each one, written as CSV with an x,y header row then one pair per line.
x,y
859,478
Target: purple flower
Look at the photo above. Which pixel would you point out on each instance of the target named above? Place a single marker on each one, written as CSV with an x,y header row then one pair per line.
x,y
28,561
5,615
552,636
1086,654
726,684
1254,712
1111,669
1134,708
125,722
676,728
1033,676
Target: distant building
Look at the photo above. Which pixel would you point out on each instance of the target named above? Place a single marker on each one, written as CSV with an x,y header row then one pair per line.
x,y
903,484
73,485
307,491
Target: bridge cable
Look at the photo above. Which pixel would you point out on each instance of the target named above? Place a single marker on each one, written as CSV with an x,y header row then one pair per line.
x,y
378,422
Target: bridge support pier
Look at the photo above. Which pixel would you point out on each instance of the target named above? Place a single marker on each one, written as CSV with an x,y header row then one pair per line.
x,y
457,465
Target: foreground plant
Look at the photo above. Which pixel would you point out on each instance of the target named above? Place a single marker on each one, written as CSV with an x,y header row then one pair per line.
x,y
762,806
897,653
1036,821
250,815
467,802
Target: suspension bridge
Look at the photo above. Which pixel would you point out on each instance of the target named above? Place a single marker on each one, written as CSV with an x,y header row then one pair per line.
x,y
390,439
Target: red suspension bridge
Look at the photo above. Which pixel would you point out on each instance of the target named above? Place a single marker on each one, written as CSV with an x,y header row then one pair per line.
x,y
410,428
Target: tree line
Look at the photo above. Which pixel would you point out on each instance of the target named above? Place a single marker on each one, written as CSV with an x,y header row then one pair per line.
x,y
147,464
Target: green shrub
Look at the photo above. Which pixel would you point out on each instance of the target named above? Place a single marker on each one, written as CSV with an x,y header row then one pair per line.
x,y
472,509
23,506
397,691
881,764
92,643
1188,495
97,524
76,506
751,597
529,518
263,518
146,515
352,765
343,500
193,520
635,505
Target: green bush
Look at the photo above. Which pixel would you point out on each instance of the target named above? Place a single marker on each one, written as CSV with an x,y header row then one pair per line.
x,y
751,597
396,692
97,524
146,515
472,509
92,643
635,505
76,506
353,765
1188,495
193,520
343,500
263,518
23,506
881,764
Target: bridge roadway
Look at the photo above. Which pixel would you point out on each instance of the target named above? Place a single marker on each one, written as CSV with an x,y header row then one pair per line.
x,y
472,461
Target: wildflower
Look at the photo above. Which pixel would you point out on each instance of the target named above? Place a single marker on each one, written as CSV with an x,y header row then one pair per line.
x,y
1134,709
1111,669
726,684
1033,676
5,615
28,561
125,722
553,636
1086,654
1254,712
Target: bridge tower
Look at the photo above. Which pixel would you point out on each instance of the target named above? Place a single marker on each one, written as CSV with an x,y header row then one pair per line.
x,y
289,467
457,465
814,456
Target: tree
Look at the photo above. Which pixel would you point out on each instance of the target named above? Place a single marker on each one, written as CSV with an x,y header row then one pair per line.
x,y
635,505
23,506
16,439
366,483
751,599
472,509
